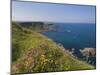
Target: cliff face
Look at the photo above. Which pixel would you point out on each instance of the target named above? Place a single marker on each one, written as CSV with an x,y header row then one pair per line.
x,y
88,51
33,52
37,26
90,55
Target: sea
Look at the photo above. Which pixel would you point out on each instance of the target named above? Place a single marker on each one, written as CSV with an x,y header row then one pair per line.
x,y
75,35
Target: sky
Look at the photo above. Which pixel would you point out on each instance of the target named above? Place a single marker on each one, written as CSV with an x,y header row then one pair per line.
x,y
50,12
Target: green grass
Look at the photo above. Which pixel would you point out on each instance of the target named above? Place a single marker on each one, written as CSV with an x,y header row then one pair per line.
x,y
34,52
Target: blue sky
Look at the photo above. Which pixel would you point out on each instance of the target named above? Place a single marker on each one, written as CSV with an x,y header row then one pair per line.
x,y
31,11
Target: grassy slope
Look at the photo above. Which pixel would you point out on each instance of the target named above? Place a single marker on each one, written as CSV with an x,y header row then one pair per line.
x,y
33,52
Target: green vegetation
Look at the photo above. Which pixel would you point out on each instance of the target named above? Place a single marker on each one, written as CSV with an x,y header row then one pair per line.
x,y
36,26
34,52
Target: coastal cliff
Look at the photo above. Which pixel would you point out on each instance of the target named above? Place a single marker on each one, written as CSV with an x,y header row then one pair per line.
x,y
34,52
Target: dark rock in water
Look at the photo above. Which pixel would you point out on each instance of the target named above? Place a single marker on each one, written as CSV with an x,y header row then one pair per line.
x,y
92,60
86,54
77,53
